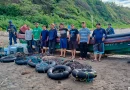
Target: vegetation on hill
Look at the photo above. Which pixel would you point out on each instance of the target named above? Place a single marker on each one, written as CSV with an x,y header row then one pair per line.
x,y
66,11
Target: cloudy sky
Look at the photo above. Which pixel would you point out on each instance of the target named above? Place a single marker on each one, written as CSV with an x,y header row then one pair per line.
x,y
125,3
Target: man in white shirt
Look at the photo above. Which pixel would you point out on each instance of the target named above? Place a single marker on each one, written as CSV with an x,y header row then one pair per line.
x,y
28,38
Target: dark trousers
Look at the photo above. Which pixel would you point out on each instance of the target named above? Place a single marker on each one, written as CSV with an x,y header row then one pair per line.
x,y
12,36
37,45
52,46
83,49
29,46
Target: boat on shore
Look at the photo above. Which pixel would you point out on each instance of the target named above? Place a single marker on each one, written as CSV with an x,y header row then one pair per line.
x,y
114,44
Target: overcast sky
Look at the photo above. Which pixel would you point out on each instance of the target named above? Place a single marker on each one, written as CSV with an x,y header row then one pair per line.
x,y
125,3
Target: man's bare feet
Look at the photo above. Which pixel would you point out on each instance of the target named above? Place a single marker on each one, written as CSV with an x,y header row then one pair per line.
x,y
61,55
80,58
94,60
84,59
64,56
73,57
70,57
99,60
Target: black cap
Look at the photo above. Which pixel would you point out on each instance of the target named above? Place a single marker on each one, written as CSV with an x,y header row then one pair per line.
x,y
98,24
83,22
109,24
61,23
10,21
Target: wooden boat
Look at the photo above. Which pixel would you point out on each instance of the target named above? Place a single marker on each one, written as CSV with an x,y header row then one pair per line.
x,y
116,44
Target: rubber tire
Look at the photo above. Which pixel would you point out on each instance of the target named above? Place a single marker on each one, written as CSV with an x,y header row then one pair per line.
x,y
59,76
44,69
7,59
128,62
33,64
81,74
2,55
21,61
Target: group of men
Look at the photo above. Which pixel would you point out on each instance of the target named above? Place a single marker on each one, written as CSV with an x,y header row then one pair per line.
x,y
44,38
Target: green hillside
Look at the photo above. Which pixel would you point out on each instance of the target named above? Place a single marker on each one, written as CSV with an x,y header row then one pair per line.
x,y
67,11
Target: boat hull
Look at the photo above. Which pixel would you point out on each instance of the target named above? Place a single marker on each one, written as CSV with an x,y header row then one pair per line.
x,y
116,44
117,48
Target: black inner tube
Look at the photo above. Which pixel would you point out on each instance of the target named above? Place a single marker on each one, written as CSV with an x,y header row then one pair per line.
x,y
49,62
61,70
8,57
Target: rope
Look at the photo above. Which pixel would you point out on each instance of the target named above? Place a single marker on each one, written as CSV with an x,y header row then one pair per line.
x,y
88,80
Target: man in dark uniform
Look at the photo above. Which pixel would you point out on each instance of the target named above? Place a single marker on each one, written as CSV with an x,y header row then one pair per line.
x,y
12,33
110,30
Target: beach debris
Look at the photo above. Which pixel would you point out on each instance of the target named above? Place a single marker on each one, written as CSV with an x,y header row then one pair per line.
x,y
128,62
3,81
26,72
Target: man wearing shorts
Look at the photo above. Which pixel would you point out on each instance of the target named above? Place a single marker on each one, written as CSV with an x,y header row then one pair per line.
x,y
73,40
63,39
99,36
84,37
44,39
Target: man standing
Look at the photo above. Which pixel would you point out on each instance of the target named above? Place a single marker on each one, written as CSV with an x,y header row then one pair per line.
x,y
63,39
12,33
84,37
28,38
99,36
110,30
44,39
73,40
36,36
52,39
23,29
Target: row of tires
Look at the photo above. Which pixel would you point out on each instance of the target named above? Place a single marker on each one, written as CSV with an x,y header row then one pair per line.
x,y
54,71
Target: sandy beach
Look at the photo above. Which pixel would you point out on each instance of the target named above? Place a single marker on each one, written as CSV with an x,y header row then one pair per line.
x,y
113,73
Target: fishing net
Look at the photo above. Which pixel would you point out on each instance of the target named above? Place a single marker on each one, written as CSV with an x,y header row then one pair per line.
x,y
77,65
59,61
